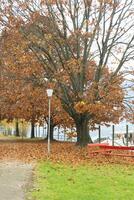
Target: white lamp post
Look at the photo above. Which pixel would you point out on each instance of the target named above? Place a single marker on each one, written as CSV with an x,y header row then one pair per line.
x,y
49,94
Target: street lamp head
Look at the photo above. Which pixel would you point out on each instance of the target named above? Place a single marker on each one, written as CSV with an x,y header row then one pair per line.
x,y
49,92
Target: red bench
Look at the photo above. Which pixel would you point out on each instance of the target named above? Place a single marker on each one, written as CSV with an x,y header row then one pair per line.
x,y
105,149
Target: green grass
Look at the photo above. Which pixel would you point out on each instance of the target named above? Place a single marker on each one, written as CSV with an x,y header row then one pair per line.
x,y
6,136
63,182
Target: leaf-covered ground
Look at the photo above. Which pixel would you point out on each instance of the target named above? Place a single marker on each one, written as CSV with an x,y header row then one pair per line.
x,y
34,150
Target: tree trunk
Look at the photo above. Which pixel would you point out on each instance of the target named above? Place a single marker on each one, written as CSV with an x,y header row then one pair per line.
x,y
51,132
32,130
17,128
83,137
9,131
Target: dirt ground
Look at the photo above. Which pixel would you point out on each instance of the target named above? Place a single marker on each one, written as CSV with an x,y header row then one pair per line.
x,y
14,180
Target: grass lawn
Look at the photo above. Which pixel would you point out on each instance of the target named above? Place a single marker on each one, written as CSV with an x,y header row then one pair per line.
x,y
64,182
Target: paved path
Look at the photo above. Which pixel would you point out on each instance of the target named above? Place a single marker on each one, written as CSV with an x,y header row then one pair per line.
x,y
14,179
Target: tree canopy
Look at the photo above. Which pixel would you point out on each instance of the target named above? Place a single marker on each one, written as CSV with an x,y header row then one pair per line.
x,y
83,48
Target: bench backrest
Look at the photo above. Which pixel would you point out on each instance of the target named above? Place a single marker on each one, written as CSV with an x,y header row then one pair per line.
x,y
117,147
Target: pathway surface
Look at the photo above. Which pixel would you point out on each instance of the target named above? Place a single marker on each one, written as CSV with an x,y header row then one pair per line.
x,y
14,179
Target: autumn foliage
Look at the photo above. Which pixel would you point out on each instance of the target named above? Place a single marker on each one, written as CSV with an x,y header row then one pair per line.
x,y
23,87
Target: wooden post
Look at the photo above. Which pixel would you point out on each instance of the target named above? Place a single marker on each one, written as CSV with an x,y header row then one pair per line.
x,y
58,132
36,128
64,134
39,131
113,132
46,130
43,132
99,133
71,137
127,135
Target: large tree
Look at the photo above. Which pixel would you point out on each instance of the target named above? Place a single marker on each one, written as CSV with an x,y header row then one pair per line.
x,y
82,45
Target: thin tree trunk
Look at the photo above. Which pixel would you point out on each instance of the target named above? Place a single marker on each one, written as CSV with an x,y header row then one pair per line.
x,y
32,130
83,137
17,128
52,125
51,132
9,131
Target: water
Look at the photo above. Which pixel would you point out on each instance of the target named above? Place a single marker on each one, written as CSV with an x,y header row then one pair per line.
x,y
106,132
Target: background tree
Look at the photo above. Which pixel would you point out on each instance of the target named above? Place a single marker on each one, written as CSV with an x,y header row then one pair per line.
x,y
23,91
